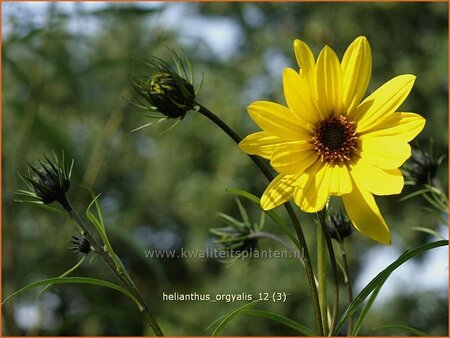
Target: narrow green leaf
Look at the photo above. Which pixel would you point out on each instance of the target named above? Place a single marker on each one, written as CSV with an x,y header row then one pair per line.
x,y
143,126
98,223
243,193
41,205
243,212
88,209
73,280
100,226
26,193
100,213
174,124
233,239
215,322
72,269
434,189
35,202
429,231
404,328
436,202
231,316
262,220
366,309
282,320
272,214
69,175
415,193
381,277
230,220
52,209
341,267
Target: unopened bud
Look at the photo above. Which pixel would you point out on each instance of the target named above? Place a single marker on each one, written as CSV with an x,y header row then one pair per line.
x,y
339,225
172,95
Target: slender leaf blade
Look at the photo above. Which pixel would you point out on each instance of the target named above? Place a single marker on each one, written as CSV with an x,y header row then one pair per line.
x,y
382,276
366,309
429,231
231,316
73,280
405,328
304,330
72,269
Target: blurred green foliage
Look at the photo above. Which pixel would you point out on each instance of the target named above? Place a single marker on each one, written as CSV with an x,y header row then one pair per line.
x,y
66,85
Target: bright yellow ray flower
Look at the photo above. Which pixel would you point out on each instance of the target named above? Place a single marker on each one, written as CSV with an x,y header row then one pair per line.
x,y
326,141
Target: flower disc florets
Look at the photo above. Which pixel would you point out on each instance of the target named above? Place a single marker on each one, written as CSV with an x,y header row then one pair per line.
x,y
335,139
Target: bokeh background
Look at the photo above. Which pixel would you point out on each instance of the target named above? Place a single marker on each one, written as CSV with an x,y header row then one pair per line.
x,y
66,70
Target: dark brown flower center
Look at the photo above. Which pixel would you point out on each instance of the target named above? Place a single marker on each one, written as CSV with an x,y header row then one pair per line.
x,y
335,139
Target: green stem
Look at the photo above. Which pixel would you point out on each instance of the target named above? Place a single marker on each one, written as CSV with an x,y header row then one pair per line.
x,y
334,271
322,276
296,223
126,282
347,282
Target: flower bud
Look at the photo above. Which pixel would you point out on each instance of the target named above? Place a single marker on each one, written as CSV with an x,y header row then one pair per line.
x,y
81,244
172,95
168,92
238,236
422,167
48,182
339,225
235,238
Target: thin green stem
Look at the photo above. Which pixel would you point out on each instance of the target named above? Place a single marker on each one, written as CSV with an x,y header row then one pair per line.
x,y
126,282
308,268
334,271
347,282
322,276
296,223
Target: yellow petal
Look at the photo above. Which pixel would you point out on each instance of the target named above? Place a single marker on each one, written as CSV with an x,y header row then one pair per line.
x,y
293,157
404,126
277,119
366,217
298,98
261,143
329,82
385,152
340,181
278,192
383,102
313,188
305,60
356,70
376,180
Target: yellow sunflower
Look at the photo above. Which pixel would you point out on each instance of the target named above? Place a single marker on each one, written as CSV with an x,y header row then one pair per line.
x,y
326,141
